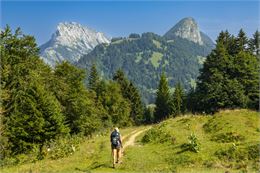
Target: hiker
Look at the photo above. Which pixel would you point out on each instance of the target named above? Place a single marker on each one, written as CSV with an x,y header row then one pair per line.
x,y
116,145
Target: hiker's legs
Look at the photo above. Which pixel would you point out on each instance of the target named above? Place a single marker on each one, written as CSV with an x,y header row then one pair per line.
x,y
118,153
114,156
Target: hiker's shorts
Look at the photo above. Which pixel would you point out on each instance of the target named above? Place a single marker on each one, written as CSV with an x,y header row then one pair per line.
x,y
115,146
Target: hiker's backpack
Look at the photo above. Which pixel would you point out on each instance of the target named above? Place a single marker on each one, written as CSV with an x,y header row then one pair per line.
x,y
115,136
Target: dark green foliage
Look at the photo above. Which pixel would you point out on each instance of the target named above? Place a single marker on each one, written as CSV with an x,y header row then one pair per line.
x,y
93,79
233,153
142,59
178,100
162,109
79,108
241,40
228,137
117,108
229,77
193,144
254,43
134,35
253,152
32,114
130,92
148,115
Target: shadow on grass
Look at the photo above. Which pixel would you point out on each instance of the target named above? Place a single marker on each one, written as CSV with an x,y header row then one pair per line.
x,y
83,170
184,147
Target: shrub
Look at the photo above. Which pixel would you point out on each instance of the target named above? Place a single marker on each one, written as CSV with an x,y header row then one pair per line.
x,y
233,153
254,152
157,135
61,147
228,137
193,144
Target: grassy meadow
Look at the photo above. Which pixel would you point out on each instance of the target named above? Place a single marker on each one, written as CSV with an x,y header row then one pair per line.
x,y
226,142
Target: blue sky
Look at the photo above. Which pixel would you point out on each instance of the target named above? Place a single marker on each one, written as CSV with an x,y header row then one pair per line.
x,y
120,18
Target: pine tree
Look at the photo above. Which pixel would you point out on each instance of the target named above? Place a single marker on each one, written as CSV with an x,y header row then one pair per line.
x,y
82,114
93,79
120,78
178,99
254,43
32,114
162,109
136,104
130,92
242,41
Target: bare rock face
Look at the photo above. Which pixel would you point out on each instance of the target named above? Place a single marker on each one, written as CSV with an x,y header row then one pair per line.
x,y
188,29
70,41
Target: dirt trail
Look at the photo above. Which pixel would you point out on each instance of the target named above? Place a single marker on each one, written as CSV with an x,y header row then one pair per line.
x,y
133,135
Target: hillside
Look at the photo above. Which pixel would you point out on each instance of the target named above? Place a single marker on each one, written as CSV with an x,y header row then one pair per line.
x,y
228,142
144,57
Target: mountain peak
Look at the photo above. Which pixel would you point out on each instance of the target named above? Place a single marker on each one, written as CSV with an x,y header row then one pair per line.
x,y
186,28
70,41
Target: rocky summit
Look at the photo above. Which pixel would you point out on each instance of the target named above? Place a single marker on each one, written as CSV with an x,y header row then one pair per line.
x,y
187,28
70,41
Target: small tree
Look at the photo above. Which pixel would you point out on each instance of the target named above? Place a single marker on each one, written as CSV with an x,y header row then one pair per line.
x,y
178,100
162,109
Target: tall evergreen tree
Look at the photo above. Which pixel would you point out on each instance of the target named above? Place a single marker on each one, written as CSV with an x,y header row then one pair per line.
x,y
162,109
137,109
242,41
254,44
32,114
178,100
79,108
93,79
130,92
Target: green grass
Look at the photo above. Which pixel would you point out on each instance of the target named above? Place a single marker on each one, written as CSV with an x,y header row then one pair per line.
x,y
156,58
157,43
228,141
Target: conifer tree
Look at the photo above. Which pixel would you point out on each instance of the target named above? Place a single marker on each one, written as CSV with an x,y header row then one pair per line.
x,y
79,108
254,44
162,109
178,100
93,79
32,114
130,92
136,104
242,41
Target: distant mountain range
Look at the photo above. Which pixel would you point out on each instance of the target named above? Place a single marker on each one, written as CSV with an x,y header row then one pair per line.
x,y
180,52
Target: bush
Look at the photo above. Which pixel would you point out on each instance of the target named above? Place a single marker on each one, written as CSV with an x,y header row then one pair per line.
x,y
61,147
254,152
228,137
193,144
157,135
28,157
233,153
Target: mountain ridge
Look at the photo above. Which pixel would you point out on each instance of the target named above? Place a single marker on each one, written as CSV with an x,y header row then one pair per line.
x,y
144,57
